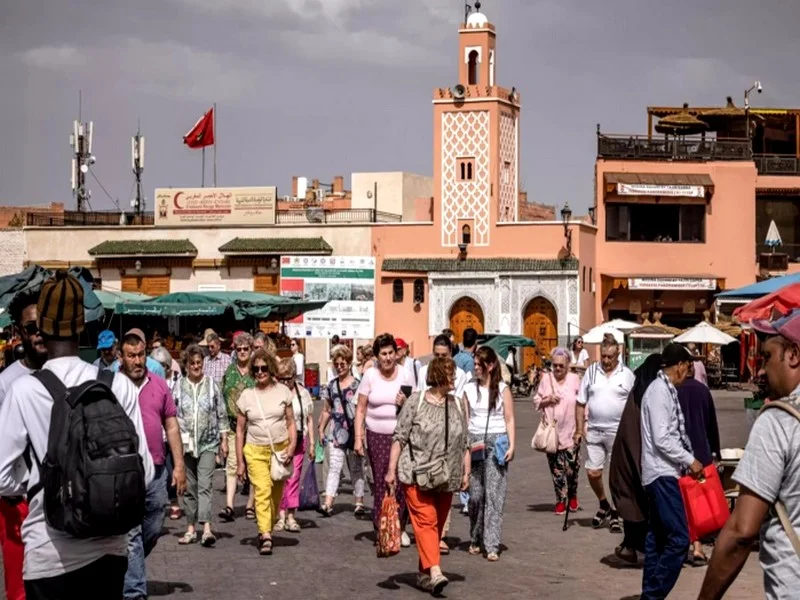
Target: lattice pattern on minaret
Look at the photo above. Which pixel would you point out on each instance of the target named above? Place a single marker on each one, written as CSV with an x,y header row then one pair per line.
x,y
508,168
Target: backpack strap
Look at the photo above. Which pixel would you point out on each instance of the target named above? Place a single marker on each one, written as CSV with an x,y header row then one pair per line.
x,y
780,509
105,376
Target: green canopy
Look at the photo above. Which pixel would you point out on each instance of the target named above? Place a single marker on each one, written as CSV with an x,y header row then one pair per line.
x,y
243,304
110,298
5,319
501,343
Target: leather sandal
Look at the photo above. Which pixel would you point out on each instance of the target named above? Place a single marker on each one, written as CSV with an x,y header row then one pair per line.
x,y
264,545
226,514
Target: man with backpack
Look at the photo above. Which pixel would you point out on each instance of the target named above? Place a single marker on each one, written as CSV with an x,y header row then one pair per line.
x,y
50,420
768,476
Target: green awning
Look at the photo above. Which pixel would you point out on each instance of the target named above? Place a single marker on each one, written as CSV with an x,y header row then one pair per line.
x,y
110,298
238,245
125,248
502,343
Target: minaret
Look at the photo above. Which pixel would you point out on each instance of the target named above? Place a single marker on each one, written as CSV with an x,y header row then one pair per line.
x,y
476,142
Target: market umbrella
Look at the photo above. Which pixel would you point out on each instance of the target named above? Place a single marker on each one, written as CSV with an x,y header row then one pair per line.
x,y
682,123
704,333
778,303
502,343
721,118
773,238
622,325
595,335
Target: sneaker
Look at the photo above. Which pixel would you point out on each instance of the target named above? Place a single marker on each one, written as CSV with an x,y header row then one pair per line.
x,y
614,524
600,518
561,508
405,541
574,505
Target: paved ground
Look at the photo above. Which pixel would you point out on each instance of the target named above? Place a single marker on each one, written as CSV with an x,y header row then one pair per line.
x,y
334,558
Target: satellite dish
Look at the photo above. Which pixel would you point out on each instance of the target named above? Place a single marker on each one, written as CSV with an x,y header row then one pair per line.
x,y
459,92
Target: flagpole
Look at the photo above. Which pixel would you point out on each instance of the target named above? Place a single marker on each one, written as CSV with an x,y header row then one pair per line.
x,y
216,133
203,170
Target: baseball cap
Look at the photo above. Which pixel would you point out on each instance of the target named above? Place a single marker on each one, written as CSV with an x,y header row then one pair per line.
x,y
674,353
788,326
138,333
106,339
401,343
60,306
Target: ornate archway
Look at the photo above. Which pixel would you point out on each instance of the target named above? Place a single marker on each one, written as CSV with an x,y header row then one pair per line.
x,y
465,313
540,322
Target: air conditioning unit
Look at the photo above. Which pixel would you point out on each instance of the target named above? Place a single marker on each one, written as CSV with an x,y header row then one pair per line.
x,y
773,262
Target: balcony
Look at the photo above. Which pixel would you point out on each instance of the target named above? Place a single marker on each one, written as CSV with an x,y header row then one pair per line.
x,y
641,147
74,218
791,250
319,216
777,164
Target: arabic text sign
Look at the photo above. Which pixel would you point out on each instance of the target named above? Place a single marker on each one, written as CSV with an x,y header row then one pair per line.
x,y
215,206
347,282
671,283
646,189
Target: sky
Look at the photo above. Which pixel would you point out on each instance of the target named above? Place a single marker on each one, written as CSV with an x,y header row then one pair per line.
x,y
320,88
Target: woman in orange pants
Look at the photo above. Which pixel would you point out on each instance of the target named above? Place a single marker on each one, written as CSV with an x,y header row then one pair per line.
x,y
430,457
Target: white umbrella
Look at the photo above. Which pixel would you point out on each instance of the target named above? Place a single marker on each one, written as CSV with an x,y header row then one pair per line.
x,y
704,333
595,335
773,235
622,325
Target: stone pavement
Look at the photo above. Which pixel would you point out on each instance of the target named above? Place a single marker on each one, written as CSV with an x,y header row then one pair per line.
x,y
335,558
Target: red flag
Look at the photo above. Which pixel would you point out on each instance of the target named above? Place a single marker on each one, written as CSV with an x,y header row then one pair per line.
x,y
202,134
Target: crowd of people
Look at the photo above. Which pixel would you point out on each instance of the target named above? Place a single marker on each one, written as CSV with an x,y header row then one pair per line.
x,y
420,433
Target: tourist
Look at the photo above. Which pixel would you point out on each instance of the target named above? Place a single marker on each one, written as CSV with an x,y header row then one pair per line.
x,y
700,419
491,427
366,359
158,416
265,425
625,472
431,427
666,453
338,407
165,359
698,368
768,474
381,395
217,362
58,565
556,398
303,409
107,346
331,372
172,371
465,358
299,361
405,360
603,393
579,356
14,509
259,339
204,430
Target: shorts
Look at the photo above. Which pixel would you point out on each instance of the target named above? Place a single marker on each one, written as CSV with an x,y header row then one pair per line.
x,y
598,448
231,464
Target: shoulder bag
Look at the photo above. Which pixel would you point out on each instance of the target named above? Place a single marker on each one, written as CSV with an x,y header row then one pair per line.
x,y
436,473
278,469
546,437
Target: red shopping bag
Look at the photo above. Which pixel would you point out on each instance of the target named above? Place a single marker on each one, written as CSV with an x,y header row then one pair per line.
x,y
706,506
389,530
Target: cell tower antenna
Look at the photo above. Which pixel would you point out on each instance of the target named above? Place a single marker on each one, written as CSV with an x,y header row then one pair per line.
x,y
81,142
137,165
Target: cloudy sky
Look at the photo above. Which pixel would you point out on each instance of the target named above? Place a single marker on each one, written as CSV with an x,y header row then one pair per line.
x,y
327,87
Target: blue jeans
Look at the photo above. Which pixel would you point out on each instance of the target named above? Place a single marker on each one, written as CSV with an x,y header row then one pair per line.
x,y
142,540
667,539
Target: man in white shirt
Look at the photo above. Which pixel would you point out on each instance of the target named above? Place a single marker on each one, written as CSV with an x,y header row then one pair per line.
x,y
405,360
442,348
56,564
14,510
604,391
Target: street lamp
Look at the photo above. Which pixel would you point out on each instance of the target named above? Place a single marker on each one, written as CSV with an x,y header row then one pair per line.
x,y
757,87
566,215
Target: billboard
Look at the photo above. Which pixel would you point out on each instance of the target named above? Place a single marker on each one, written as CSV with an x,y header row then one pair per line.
x,y
215,206
347,282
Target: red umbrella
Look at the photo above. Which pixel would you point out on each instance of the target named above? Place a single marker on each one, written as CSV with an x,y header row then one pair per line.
x,y
778,303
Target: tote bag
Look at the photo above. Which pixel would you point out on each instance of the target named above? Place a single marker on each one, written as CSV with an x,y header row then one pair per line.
x,y
546,437
705,503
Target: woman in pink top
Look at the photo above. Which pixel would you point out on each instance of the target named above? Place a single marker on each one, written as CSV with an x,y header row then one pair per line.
x,y
382,392
555,397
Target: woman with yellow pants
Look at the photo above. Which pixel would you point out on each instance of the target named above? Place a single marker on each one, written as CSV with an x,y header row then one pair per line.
x,y
265,423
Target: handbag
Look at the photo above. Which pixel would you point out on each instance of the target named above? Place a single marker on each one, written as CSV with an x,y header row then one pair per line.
x,y
546,437
309,490
435,473
389,528
705,503
278,469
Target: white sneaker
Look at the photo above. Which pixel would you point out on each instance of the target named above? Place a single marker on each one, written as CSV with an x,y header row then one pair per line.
x,y
405,541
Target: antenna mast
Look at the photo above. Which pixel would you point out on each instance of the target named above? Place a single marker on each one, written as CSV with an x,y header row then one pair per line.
x,y
137,165
81,141
467,11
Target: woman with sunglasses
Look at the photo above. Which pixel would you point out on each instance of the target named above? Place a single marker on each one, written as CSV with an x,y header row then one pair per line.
x,y
492,437
299,361
265,424
303,408
339,406
555,398
578,356
237,379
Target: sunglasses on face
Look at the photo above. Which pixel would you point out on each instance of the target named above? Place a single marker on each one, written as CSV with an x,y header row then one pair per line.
x,y
243,349
285,379
261,369
340,365
31,328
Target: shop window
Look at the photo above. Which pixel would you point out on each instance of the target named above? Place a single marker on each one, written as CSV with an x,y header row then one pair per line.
x,y
465,169
466,235
656,223
419,291
397,290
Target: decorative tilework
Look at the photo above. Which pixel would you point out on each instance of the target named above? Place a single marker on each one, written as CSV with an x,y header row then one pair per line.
x,y
509,191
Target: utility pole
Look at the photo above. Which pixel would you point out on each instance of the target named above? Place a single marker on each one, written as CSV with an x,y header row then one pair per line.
x,y
81,141
137,165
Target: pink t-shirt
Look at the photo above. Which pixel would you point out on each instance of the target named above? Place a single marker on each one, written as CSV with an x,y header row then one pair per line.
x,y
381,394
564,411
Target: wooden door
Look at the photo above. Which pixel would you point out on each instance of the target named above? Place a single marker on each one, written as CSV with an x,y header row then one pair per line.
x,y
465,313
152,285
541,324
267,284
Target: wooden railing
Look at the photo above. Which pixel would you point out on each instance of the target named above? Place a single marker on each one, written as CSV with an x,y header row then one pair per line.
x,y
777,164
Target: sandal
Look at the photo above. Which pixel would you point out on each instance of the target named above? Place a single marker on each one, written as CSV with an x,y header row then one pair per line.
x,y
474,550
444,548
492,557
292,526
359,510
280,525
600,518
188,538
699,560
227,515
326,511
264,545
208,539
175,512
614,525
250,513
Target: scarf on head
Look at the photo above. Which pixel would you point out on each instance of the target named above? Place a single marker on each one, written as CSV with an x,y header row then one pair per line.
x,y
685,442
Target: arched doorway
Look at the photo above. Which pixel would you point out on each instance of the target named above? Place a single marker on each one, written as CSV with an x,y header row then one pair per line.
x,y
465,313
540,322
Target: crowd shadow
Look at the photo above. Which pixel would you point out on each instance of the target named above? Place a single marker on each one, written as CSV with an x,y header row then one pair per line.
x,y
277,542
547,507
366,535
167,588
394,582
613,562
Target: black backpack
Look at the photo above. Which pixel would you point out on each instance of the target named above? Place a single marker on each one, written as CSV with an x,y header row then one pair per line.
x,y
92,475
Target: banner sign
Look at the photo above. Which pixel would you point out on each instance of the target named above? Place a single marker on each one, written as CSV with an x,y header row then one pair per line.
x,y
646,189
215,206
671,283
347,282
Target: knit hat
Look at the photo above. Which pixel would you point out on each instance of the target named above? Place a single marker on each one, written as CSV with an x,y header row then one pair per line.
x,y
60,308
